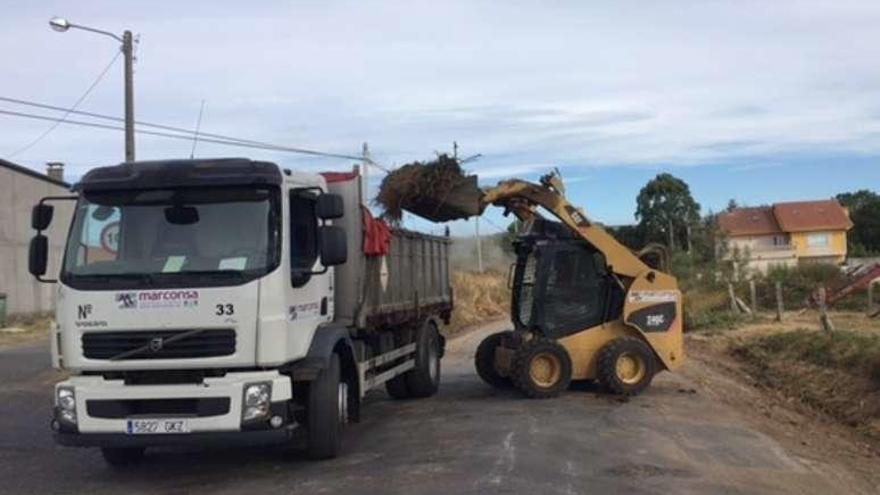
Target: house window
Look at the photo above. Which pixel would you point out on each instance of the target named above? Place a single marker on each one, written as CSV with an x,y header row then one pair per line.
x,y
818,240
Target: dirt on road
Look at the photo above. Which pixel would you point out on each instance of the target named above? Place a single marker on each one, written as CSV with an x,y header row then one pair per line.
x,y
703,430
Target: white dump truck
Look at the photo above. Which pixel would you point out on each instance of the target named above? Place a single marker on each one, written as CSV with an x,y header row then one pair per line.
x,y
224,300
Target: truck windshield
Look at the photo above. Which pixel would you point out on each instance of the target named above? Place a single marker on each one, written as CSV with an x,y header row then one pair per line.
x,y
172,237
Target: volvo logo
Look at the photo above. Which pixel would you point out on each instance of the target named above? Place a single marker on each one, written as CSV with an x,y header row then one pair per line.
x,y
156,344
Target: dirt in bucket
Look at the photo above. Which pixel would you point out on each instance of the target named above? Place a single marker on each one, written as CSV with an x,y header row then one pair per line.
x,y
438,190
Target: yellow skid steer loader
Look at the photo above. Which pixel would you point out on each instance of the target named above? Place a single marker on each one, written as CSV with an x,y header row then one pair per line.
x,y
583,306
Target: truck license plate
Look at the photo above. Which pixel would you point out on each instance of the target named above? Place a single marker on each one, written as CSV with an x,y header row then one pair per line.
x,y
156,426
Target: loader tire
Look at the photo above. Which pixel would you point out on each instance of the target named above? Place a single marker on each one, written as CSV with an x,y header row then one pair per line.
x,y
327,411
484,360
626,366
424,379
541,368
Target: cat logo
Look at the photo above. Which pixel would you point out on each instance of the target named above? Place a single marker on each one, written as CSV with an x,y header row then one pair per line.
x,y
156,344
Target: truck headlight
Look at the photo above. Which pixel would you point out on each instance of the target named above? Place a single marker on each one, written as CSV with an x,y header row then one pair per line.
x,y
65,399
256,401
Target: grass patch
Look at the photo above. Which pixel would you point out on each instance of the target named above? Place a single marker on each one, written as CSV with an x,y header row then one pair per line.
x,y
479,298
837,374
852,352
25,328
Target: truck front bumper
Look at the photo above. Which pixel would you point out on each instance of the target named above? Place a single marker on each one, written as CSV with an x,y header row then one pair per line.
x,y
212,411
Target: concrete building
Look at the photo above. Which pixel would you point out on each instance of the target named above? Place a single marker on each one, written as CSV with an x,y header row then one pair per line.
x,y
20,189
788,233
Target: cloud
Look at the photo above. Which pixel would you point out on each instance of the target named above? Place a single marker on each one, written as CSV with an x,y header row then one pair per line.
x,y
572,84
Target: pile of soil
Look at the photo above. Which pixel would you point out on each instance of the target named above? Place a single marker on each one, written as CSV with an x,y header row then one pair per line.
x,y
406,187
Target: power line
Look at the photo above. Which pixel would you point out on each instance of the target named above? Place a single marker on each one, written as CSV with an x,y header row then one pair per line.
x,y
248,143
179,136
68,111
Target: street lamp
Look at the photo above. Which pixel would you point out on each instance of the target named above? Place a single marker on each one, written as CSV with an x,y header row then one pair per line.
x,y
61,25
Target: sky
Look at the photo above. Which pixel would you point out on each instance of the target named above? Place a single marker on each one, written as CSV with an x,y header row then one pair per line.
x,y
751,100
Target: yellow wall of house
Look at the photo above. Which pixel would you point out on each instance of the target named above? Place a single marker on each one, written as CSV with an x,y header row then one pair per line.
x,y
836,245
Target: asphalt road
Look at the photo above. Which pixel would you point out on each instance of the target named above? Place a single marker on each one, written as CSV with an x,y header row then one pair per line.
x,y
468,439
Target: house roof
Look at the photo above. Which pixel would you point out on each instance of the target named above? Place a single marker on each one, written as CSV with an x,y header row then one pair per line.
x,y
749,221
806,216
32,173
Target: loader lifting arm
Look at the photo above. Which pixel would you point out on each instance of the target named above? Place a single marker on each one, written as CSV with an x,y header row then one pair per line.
x,y
522,198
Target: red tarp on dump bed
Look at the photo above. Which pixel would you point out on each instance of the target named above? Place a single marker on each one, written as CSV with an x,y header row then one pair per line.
x,y
377,234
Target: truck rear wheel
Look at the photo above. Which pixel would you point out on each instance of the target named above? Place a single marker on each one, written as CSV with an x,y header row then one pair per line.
x,y
424,379
396,387
327,411
122,456
541,368
626,366
484,360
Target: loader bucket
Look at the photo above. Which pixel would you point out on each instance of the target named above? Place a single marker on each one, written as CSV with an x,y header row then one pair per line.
x,y
459,202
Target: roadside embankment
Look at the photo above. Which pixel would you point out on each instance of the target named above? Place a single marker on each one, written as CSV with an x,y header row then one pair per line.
x,y
479,298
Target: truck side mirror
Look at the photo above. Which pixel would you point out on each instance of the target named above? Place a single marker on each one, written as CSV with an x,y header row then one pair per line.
x,y
334,247
38,255
41,216
329,206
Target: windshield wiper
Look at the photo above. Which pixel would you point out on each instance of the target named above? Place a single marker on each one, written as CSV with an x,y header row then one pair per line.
x,y
238,274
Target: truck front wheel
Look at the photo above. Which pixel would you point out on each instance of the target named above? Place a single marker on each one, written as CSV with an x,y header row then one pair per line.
x,y
327,411
122,456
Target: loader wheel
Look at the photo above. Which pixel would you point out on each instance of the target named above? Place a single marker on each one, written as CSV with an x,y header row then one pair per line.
x,y
626,366
484,360
327,412
541,368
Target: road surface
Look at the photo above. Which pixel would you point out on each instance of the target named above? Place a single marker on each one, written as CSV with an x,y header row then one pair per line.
x,y
468,439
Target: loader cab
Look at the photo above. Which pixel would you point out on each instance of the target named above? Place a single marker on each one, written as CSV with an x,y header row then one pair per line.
x,y
561,284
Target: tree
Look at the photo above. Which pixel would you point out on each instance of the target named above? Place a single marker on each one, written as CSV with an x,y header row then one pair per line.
x,y
666,210
864,211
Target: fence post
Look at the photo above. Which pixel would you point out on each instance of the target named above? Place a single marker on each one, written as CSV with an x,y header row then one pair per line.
x,y
871,296
733,306
779,305
827,325
753,291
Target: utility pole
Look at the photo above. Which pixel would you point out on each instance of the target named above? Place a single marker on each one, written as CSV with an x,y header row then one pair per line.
x,y
61,25
128,54
479,245
365,175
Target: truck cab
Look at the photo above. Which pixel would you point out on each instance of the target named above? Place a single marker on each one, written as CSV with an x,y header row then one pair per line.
x,y
196,304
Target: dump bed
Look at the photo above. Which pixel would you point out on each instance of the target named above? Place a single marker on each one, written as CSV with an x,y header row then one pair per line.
x,y
408,283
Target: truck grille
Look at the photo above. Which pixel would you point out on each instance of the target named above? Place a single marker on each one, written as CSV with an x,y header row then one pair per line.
x,y
116,409
158,344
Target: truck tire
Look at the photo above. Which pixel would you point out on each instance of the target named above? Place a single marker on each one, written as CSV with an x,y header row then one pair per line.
x,y
327,412
626,366
541,368
484,360
424,379
396,387
122,456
